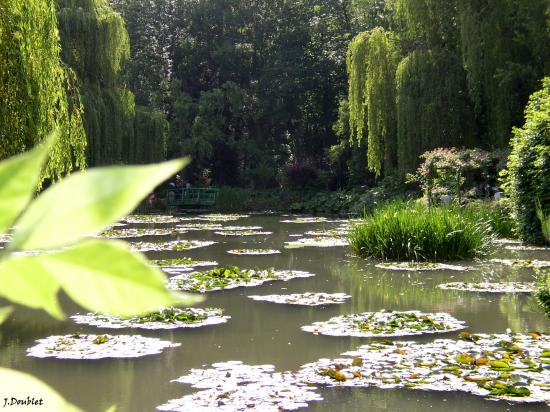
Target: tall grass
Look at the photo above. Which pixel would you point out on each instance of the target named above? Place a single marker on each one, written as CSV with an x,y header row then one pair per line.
x,y
409,231
496,214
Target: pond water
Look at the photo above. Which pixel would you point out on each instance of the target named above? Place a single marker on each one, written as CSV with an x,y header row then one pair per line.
x,y
267,333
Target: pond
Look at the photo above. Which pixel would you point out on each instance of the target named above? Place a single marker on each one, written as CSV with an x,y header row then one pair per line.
x,y
262,332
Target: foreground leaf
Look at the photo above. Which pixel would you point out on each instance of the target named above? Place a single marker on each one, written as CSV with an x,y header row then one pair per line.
x,y
106,277
85,203
25,281
19,176
5,312
20,386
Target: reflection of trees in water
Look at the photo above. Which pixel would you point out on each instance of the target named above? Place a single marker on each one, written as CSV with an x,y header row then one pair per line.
x,y
374,289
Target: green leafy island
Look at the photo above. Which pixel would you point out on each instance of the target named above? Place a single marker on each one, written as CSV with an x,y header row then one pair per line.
x,y
228,278
420,266
512,367
386,324
135,233
91,347
523,263
177,245
169,318
305,299
408,231
491,287
306,220
237,387
160,219
175,262
320,241
237,233
196,227
254,252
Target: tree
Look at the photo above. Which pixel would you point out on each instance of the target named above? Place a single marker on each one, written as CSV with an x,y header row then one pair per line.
x,y
38,92
527,180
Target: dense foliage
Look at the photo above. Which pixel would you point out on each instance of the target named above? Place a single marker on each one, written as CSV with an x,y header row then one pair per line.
x,y
37,93
528,175
463,73
413,232
95,44
457,173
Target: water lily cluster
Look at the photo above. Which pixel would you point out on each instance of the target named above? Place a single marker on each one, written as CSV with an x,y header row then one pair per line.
x,y
305,299
509,367
386,324
488,287
234,386
169,318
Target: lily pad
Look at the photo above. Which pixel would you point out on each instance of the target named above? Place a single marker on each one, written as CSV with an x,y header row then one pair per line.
x,y
234,386
386,324
177,245
229,278
526,248
135,233
317,242
216,217
305,299
196,227
488,287
306,220
237,233
98,347
170,318
254,252
138,219
507,367
420,266
523,263
327,233
238,228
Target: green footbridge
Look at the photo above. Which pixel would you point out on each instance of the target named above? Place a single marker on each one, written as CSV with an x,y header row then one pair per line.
x,y
193,197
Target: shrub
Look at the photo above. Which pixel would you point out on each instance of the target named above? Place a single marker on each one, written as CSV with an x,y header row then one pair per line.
x,y
527,180
543,289
409,231
455,172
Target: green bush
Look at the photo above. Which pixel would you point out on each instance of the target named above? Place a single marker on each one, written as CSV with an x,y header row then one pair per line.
x,y
527,180
543,290
496,214
410,231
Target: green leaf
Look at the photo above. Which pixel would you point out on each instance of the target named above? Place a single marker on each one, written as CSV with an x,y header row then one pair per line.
x,y
5,312
106,277
19,176
20,386
85,203
25,281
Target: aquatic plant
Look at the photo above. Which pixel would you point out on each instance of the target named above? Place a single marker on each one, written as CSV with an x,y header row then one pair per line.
x,y
169,318
160,219
91,347
254,252
234,386
386,324
305,299
508,367
409,231
320,241
177,245
228,278
491,287
420,266
135,233
237,233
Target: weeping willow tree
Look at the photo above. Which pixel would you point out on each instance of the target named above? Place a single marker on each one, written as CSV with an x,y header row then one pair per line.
x,y
96,45
37,93
357,72
382,60
506,50
432,106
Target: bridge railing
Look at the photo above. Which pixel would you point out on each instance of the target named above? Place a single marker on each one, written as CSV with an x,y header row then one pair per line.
x,y
191,196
